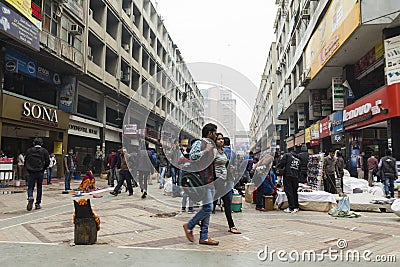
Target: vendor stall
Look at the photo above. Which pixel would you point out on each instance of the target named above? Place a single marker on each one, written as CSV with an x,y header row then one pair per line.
x,y
315,201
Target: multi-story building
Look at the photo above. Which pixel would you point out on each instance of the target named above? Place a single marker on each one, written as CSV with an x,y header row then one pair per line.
x,y
337,74
72,70
265,126
220,108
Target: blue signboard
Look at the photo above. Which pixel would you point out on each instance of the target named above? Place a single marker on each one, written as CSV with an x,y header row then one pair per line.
x,y
337,122
14,25
49,76
15,62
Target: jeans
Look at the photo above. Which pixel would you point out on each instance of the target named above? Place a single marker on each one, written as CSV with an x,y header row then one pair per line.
x,y
124,175
389,186
49,172
204,214
184,199
175,172
163,170
35,177
113,175
143,176
227,198
68,177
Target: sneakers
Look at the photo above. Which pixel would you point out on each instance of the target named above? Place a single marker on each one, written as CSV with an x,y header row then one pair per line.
x,y
37,207
209,241
192,211
183,210
114,193
287,210
30,204
144,194
188,233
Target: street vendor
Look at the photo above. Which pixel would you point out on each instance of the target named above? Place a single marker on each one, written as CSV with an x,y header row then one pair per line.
x,y
88,182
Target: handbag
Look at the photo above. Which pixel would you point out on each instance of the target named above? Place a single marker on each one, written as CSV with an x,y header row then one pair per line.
x,y
344,204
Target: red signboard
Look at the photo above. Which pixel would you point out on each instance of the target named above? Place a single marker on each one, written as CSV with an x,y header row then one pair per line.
x,y
375,107
314,142
324,128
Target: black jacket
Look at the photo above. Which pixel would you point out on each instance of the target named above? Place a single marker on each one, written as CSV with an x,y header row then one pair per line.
x,y
291,163
303,156
36,159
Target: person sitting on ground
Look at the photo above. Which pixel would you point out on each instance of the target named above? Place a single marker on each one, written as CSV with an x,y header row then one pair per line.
x,y
88,182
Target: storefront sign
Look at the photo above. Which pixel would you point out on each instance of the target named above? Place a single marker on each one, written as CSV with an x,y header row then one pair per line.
x,y
300,117
290,142
57,148
337,93
30,112
39,113
15,62
130,129
315,131
299,139
27,8
16,26
337,122
375,107
83,129
307,135
337,139
392,58
314,143
369,59
326,107
48,76
324,128
113,136
316,103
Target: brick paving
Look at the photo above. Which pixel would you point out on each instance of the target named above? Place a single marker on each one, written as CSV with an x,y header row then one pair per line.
x,y
129,221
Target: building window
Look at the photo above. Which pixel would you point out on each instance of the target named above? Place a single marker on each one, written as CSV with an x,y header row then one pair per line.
x,y
50,19
87,107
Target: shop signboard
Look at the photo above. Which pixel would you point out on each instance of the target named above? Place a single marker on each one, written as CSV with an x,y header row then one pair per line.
x,y
307,135
337,122
326,107
375,107
299,139
392,58
369,59
339,22
15,62
19,28
48,76
300,117
290,142
130,129
57,148
337,93
324,128
315,131
83,129
316,103
28,9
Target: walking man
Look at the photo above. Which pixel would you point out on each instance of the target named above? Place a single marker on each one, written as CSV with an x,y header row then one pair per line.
x,y
121,161
69,165
204,151
36,161
387,165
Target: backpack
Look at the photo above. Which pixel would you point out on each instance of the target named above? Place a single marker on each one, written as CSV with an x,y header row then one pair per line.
x,y
35,159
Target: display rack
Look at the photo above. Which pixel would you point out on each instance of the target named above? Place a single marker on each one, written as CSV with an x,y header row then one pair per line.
x,y
6,171
315,171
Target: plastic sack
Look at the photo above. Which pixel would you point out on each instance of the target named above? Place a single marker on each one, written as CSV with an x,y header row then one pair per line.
x,y
344,204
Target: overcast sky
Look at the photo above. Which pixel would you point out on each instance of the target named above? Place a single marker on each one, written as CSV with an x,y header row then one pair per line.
x,y
234,33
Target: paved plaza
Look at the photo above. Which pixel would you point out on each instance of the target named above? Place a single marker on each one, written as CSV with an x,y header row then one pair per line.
x,y
148,232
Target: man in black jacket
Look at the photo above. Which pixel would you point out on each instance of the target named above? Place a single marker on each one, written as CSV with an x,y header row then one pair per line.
x,y
388,167
291,164
36,161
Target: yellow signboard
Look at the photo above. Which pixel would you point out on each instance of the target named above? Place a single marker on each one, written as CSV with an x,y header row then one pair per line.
x,y
339,22
58,148
24,7
307,135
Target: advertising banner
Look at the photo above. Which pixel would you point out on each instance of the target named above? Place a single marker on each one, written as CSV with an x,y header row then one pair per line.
x,y
47,75
25,8
324,128
316,103
67,93
19,28
15,62
340,21
307,135
337,122
392,58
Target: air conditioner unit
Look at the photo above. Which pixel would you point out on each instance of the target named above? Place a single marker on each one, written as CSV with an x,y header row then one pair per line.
x,y
305,77
90,13
125,47
305,14
76,29
128,11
